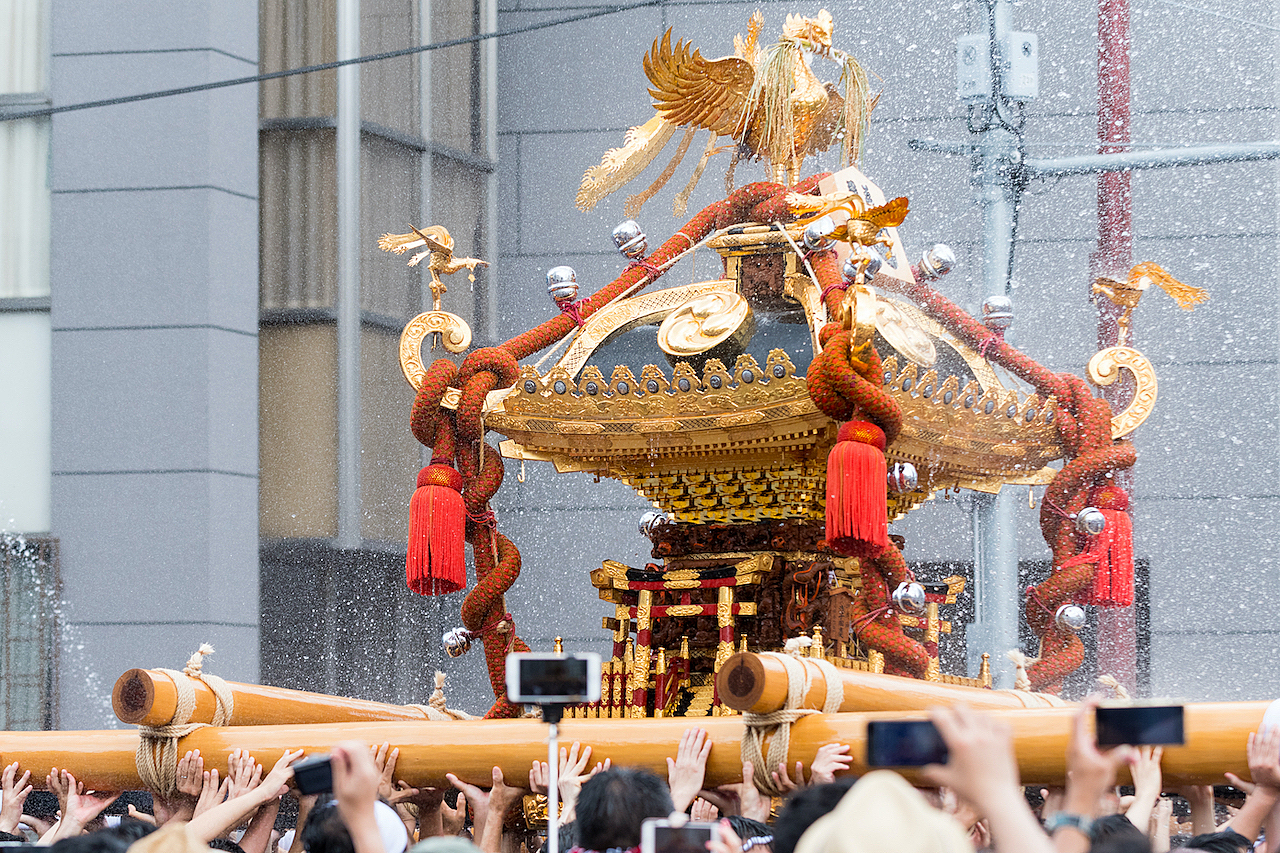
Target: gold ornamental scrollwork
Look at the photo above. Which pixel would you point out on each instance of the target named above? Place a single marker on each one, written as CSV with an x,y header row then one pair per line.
x,y
454,333
1104,369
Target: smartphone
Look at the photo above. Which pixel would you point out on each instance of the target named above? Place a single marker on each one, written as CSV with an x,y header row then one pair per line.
x,y
553,679
314,775
904,743
657,835
1145,725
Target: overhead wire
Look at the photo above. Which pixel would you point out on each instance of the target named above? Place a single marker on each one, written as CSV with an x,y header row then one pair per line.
x,y
324,66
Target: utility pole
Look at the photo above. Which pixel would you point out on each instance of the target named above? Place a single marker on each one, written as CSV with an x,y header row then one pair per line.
x,y
997,72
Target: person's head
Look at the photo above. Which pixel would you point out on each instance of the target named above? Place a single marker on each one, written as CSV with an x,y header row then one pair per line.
x,y
1219,842
1115,833
755,835
882,813
803,808
324,831
226,845
613,804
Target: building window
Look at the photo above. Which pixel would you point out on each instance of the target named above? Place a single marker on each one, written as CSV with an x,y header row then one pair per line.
x,y
29,607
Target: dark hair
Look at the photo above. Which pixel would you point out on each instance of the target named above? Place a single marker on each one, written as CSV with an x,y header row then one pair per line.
x,y
614,803
1115,833
324,831
226,844
9,836
803,808
752,832
745,827
1219,842
114,839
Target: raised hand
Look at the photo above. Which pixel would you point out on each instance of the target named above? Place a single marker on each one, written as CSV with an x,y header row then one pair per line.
x,y
751,803
703,810
1264,758
243,773
82,806
830,759
13,795
191,774
384,759
686,771
212,792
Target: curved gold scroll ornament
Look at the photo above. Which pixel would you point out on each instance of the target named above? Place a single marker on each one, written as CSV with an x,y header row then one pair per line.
x,y
454,333
1104,369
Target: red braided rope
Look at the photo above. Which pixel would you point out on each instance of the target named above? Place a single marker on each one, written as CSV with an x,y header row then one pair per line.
x,y
1083,422
845,387
497,559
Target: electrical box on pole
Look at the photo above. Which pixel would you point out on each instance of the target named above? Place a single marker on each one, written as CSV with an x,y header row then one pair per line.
x,y
973,69
1020,76
1019,66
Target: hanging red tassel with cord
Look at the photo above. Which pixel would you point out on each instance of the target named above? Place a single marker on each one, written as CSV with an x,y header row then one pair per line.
x,y
857,491
436,561
1112,549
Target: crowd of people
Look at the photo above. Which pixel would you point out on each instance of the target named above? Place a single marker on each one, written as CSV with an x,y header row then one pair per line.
x,y
974,801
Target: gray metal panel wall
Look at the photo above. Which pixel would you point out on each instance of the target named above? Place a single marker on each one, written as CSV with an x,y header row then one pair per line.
x,y
154,310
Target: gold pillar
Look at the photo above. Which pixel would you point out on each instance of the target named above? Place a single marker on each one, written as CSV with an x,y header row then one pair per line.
x,y
932,671
640,667
661,669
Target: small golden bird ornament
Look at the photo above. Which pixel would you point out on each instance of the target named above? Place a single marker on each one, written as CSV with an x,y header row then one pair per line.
x,y
439,250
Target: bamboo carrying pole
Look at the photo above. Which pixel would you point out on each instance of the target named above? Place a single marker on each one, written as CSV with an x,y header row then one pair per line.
x,y
147,697
1216,735
758,684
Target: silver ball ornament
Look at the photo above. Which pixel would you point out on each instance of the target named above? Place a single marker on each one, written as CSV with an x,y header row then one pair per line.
x,y
903,477
997,313
630,240
937,261
650,522
562,285
1091,521
817,234
1070,617
872,265
456,642
909,598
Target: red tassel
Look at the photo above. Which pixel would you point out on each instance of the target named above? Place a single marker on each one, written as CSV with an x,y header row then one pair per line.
x,y
857,492
436,561
1112,549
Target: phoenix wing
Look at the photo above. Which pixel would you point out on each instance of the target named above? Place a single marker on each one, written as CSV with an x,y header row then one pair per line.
x,y
690,90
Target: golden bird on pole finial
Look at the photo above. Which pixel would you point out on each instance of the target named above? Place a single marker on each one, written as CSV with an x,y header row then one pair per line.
x,y
1125,294
439,249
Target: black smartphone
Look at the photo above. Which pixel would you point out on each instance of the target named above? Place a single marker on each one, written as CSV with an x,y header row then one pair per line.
x,y
657,835
314,775
1150,725
904,743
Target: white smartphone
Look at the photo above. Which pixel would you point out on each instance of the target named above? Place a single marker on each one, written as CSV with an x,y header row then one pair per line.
x,y
658,835
535,678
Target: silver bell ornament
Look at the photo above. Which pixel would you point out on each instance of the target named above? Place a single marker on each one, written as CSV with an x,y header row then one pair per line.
x,y
903,478
1091,521
650,522
562,285
909,598
937,261
1070,617
997,313
872,264
456,642
630,240
817,234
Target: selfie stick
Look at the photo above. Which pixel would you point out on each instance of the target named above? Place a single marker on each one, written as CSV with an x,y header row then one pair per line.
x,y
552,714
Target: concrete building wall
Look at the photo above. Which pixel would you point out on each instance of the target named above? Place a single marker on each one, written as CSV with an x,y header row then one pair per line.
x,y
154,275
